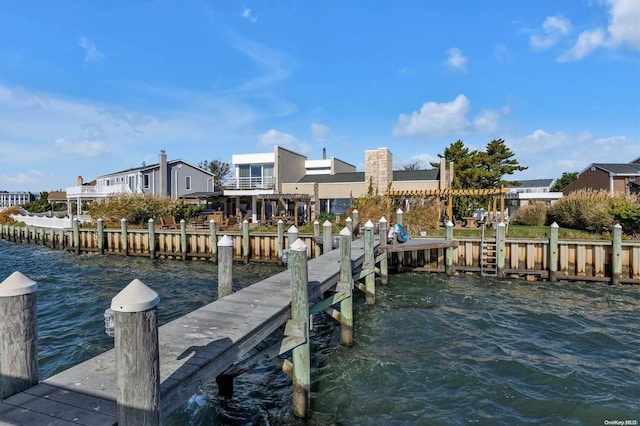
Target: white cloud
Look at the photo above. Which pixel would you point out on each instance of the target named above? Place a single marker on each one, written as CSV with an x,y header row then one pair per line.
x,y
456,61
28,177
248,15
286,140
320,132
553,29
502,53
623,30
81,149
91,52
270,60
448,119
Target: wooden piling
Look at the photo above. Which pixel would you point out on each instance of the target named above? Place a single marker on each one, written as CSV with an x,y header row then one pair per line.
x,y
345,285
101,236
246,247
316,236
301,356
553,252
152,238
124,237
448,265
327,237
616,267
18,335
280,240
369,264
183,238
225,266
348,223
500,249
400,254
76,235
355,216
213,238
137,355
292,235
384,262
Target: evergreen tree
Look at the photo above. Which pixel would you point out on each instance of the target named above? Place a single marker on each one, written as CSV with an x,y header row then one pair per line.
x,y
565,179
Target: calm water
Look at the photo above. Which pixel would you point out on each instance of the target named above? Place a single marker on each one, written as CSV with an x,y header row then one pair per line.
x,y
433,350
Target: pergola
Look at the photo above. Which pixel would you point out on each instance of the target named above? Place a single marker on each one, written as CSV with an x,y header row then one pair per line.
x,y
449,193
284,200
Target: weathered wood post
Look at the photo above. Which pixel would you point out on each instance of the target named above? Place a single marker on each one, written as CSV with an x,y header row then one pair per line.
x,y
225,267
448,261
356,218
501,231
348,223
292,235
369,264
316,238
101,236
52,237
301,356
18,335
246,251
400,254
183,238
553,252
384,262
213,238
327,237
345,285
124,237
280,240
137,354
152,238
616,267
76,235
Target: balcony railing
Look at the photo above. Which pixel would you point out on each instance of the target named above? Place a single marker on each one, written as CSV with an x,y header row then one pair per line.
x,y
250,183
97,190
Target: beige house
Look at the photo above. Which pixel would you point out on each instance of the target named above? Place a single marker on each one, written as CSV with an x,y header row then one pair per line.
x,y
266,184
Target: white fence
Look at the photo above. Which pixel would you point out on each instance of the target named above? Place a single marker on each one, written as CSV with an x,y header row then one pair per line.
x,y
48,222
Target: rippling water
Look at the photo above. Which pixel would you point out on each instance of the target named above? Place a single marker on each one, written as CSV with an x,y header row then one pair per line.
x,y
433,350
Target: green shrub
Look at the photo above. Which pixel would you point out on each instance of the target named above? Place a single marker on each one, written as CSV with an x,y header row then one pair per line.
x,y
531,215
626,211
585,210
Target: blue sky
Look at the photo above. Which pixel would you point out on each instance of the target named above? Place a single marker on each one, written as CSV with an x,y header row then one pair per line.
x,y
92,87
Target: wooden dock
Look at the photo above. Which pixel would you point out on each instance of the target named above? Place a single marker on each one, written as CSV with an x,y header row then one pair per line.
x,y
194,350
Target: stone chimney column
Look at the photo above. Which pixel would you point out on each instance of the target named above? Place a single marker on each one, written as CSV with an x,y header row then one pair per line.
x,y
378,170
79,181
162,174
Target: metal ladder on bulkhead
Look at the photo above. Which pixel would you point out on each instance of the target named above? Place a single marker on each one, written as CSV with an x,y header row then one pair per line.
x,y
488,253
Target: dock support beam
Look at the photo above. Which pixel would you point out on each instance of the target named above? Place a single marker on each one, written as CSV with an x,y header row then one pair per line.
x,y
327,238
246,248
183,238
137,355
76,235
448,261
400,254
616,267
213,241
18,335
280,241
225,267
384,263
316,237
152,238
553,252
345,285
301,356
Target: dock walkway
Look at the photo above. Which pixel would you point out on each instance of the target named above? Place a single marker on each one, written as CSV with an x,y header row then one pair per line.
x,y
194,350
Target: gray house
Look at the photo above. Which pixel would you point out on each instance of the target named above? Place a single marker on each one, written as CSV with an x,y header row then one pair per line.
x,y
174,178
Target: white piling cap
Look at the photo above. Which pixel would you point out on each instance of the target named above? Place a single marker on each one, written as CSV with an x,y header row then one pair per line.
x,y
327,223
17,284
555,225
292,230
298,245
315,222
345,232
449,223
225,241
399,211
136,297
383,219
348,219
369,224
355,210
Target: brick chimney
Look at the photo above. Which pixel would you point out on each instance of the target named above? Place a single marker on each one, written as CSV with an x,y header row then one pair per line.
x,y
79,181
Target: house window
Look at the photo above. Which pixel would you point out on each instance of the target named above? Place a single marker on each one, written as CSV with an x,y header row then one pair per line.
x,y
145,181
187,183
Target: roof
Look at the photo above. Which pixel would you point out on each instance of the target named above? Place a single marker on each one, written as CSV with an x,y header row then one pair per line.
x,y
202,195
154,166
533,183
398,176
617,168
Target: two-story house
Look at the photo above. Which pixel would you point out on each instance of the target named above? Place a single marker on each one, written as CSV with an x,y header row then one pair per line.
x,y
174,178
615,178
